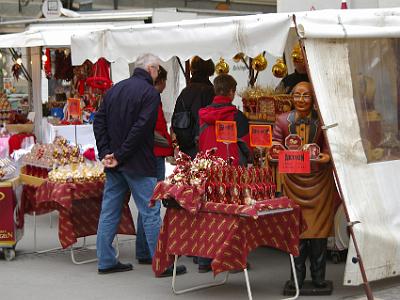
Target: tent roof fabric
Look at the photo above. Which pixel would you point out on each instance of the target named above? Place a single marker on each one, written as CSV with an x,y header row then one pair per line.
x,y
53,34
351,23
208,38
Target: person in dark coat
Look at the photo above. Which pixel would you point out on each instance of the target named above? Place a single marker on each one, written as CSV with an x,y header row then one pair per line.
x,y
199,93
300,72
124,131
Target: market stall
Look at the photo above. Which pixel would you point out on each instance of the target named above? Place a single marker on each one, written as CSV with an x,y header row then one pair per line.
x,y
345,42
358,100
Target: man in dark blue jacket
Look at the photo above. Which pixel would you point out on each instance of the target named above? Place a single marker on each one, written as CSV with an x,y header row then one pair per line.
x,y
124,131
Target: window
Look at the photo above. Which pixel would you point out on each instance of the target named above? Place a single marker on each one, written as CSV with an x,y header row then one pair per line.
x,y
375,72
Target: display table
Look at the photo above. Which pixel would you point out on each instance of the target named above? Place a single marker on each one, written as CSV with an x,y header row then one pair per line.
x,y
10,230
227,234
78,204
82,133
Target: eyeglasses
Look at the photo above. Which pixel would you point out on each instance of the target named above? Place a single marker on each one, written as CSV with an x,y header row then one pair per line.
x,y
298,96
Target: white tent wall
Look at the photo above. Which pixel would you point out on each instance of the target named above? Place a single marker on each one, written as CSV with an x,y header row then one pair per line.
x,y
369,190
304,5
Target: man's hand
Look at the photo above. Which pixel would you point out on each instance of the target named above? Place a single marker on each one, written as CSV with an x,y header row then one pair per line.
x,y
109,161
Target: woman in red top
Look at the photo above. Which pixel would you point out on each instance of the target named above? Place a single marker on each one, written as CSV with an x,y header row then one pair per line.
x,y
163,144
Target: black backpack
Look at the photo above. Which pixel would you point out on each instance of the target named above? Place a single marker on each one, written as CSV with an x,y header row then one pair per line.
x,y
183,125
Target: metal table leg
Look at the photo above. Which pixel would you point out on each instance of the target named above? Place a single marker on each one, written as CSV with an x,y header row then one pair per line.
x,y
246,276
35,239
295,280
81,262
195,288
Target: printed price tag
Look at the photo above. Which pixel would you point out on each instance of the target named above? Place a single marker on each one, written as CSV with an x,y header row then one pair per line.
x,y
260,135
294,161
226,131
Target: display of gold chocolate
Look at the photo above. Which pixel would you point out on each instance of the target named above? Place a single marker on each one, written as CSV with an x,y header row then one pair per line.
x,y
77,173
279,69
259,63
221,67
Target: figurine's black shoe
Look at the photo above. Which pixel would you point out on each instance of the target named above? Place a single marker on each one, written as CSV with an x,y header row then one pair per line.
x,y
292,286
320,283
119,267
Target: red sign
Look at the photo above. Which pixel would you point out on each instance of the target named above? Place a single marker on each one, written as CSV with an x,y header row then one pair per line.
x,y
260,135
226,131
74,108
294,161
7,237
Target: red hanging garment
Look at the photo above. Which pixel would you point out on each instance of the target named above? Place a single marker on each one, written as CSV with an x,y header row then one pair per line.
x,y
47,64
101,76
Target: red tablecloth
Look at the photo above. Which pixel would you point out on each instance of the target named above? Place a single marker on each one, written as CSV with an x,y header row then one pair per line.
x,y
78,205
227,238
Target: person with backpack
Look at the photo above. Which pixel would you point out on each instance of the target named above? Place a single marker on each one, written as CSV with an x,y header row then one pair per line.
x,y
198,94
222,109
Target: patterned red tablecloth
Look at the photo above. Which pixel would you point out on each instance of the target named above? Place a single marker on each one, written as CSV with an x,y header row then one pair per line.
x,y
225,237
78,204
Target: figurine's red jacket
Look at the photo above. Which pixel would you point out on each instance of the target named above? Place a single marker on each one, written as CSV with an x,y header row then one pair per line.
x,y
221,109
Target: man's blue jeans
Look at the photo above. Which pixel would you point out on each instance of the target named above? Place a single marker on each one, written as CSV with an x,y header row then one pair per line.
x,y
116,187
142,249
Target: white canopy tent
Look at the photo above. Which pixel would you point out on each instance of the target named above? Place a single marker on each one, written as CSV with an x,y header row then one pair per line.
x,y
208,38
52,35
370,190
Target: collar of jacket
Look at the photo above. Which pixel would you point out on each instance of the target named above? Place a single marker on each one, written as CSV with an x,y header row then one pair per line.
x,y
141,73
200,79
222,100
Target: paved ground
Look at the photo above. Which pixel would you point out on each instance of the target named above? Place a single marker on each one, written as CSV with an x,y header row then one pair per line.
x,y
54,276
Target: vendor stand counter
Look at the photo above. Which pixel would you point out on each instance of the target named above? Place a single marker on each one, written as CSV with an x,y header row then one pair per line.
x,y
79,134
227,233
78,204
11,229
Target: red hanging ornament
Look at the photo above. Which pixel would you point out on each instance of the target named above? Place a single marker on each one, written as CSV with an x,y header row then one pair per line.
x,y
344,4
47,64
101,76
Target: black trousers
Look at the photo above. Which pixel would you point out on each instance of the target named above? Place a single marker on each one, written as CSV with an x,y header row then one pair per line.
x,y
315,249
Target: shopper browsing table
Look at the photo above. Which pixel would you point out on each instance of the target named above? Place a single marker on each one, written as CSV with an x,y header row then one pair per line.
x,y
124,131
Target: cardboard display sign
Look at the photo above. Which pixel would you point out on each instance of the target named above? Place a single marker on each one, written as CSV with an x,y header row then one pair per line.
x,y
260,135
294,161
74,108
7,237
226,131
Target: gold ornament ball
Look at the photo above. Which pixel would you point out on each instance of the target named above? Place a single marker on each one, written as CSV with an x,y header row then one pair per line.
x,y
279,69
259,63
221,67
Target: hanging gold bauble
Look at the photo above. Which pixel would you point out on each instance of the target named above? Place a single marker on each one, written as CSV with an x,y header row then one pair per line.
x,y
297,54
279,69
259,63
239,57
221,67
